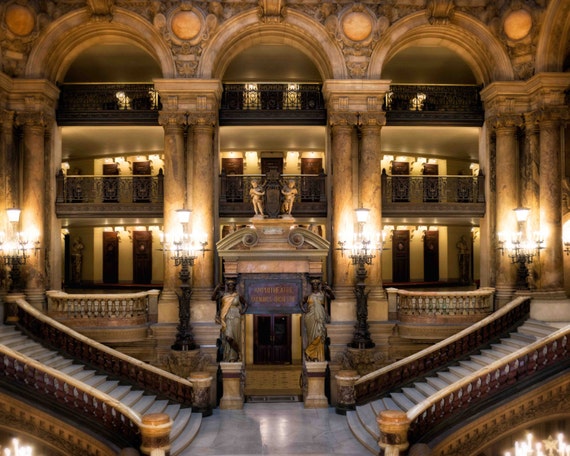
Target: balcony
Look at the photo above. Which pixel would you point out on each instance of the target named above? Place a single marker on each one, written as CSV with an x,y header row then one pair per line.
x,y
235,200
121,196
458,105
271,103
444,196
108,104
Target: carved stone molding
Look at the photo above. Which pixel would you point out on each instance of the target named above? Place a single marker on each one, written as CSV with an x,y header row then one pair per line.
x,y
440,12
272,11
346,119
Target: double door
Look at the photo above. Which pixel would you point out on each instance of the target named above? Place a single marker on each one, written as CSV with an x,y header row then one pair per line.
x,y
272,339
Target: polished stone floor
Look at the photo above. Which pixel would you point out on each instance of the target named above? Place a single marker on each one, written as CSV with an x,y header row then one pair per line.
x,y
275,429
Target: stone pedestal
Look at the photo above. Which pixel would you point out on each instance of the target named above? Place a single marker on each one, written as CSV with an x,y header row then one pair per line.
x,y
315,394
232,374
394,426
345,380
155,434
10,312
201,385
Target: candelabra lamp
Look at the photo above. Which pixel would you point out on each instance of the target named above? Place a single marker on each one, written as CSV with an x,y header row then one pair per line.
x,y
520,249
548,447
15,248
184,253
361,255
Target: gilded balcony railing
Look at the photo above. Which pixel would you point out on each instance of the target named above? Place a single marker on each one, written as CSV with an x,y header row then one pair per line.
x,y
110,189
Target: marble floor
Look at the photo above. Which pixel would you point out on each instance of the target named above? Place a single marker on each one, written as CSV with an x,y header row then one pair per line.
x,y
261,429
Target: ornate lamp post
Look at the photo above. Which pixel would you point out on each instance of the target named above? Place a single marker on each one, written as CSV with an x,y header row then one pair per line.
x,y
519,248
361,255
15,247
184,252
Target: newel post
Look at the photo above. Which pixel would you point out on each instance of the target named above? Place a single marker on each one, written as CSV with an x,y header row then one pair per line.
x,y
394,426
155,434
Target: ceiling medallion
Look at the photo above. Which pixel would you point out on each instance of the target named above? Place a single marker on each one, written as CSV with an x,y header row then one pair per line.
x,y
357,26
517,24
19,19
186,25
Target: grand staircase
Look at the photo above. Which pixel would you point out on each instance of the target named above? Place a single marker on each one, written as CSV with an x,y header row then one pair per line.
x,y
185,423
362,421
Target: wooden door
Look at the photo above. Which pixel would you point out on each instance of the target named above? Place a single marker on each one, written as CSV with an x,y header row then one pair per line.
x,y
272,343
311,185
142,256
110,257
431,256
232,179
400,182
401,256
142,189
111,185
431,184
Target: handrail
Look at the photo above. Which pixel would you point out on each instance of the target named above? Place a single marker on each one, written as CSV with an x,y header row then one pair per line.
x,y
119,419
115,363
442,353
489,380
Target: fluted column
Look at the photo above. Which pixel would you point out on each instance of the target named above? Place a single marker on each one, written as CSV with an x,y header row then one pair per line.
x,y
370,191
33,216
506,198
174,198
342,194
552,268
203,195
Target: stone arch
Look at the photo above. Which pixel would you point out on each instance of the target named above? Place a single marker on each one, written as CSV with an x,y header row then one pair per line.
x,y
464,35
298,31
66,37
554,40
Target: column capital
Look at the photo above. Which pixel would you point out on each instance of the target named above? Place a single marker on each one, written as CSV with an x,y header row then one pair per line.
x,y
203,119
32,119
172,119
7,118
343,119
376,119
506,121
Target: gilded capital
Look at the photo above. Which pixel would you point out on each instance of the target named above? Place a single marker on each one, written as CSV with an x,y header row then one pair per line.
x,y
346,119
372,119
169,119
32,119
203,119
506,121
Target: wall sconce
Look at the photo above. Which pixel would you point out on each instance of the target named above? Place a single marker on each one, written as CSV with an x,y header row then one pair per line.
x,y
475,232
184,248
521,250
65,167
16,246
361,255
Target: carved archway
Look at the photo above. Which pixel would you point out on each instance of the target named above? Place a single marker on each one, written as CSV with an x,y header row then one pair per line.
x,y
554,42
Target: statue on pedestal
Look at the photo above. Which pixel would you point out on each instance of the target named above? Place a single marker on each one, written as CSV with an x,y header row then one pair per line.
x,y
257,192
289,193
231,307
314,307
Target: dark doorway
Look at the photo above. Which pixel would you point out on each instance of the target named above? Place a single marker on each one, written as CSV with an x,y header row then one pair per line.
x,y
311,187
142,256
431,256
400,182
110,257
401,256
431,184
272,339
142,186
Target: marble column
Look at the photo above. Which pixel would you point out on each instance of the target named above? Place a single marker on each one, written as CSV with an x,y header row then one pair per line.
x,y
370,186
552,268
33,215
203,196
8,161
174,199
506,196
342,195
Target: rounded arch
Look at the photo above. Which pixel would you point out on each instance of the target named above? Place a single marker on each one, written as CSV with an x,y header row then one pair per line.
x,y
554,40
66,37
297,31
467,37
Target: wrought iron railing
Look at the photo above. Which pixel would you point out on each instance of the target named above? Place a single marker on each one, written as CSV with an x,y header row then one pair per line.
x,y
400,373
433,189
435,104
263,101
108,104
110,189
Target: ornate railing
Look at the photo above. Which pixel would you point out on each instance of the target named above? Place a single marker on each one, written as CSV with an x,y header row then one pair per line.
x,y
99,356
433,307
407,104
120,422
110,189
260,102
551,352
433,189
121,309
108,104
406,371
311,198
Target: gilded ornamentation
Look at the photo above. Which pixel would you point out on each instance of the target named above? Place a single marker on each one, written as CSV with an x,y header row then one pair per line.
x,y
517,24
271,11
440,12
20,20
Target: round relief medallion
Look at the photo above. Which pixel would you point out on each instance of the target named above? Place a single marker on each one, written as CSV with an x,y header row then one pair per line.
x,y
357,26
20,20
518,24
186,25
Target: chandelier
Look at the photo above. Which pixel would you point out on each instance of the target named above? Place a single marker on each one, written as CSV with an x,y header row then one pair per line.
x,y
548,447
16,450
